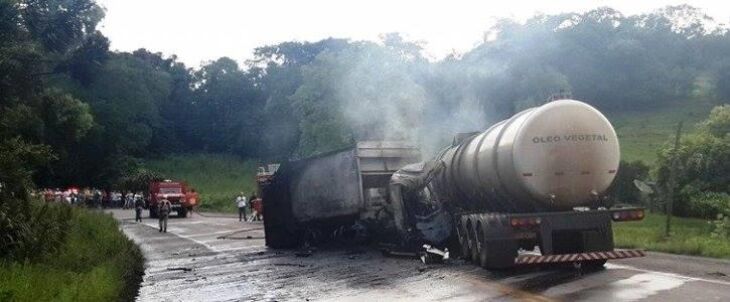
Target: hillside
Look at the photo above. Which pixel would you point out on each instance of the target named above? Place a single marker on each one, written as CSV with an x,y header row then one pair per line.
x,y
641,133
218,178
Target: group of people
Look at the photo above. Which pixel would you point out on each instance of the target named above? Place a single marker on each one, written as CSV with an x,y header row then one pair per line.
x,y
92,197
255,205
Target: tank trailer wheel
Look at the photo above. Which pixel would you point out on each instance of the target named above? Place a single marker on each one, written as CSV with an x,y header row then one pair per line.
x,y
463,238
469,240
483,250
474,242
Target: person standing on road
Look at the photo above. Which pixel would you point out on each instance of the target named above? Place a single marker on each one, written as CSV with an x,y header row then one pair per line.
x,y
97,199
163,209
241,202
256,208
138,206
129,200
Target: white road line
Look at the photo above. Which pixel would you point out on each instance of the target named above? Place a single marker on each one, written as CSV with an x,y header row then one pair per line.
x,y
636,287
631,268
208,246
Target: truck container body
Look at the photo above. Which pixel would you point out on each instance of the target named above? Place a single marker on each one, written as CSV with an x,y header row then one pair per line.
x,y
337,188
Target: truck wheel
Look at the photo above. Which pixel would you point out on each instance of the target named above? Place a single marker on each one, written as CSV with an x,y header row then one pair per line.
x,y
483,249
463,237
182,213
153,213
474,242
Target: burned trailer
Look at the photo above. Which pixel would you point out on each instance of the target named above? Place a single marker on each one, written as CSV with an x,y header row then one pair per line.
x,y
318,198
527,190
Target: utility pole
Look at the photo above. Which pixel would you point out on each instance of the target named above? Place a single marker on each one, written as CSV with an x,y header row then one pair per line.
x,y
672,179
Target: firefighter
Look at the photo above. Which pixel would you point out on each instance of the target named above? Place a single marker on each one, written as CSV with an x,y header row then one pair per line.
x,y
241,202
163,209
256,208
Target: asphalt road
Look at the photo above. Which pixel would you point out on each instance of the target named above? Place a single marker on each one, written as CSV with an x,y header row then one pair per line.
x,y
217,258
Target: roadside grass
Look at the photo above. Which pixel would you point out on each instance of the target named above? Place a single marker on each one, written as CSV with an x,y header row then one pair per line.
x,y
96,262
218,178
642,133
689,236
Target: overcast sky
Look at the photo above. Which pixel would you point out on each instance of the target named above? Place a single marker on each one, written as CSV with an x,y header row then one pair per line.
x,y
199,31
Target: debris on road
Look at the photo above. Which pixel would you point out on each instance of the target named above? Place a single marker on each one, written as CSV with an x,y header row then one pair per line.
x,y
184,269
434,255
390,250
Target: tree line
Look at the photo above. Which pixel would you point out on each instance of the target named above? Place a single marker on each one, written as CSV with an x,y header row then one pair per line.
x,y
72,112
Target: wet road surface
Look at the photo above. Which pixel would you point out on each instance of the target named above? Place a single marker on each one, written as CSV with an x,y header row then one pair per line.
x,y
217,258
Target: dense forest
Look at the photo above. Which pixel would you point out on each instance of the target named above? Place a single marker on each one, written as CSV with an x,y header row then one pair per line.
x,y
72,112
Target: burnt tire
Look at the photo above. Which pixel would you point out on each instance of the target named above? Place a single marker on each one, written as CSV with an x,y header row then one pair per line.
x,y
483,248
463,237
473,243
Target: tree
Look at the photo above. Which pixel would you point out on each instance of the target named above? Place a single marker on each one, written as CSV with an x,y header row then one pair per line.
x,y
277,72
227,109
38,38
704,161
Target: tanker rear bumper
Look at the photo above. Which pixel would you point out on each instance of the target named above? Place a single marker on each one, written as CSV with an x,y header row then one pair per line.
x,y
499,240
529,258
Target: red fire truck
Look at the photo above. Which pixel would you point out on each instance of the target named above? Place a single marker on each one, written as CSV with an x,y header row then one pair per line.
x,y
182,198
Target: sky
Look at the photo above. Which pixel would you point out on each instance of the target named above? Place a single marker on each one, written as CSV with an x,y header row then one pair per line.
x,y
198,31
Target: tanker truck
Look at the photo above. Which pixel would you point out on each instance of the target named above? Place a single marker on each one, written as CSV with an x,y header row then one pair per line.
x,y
528,190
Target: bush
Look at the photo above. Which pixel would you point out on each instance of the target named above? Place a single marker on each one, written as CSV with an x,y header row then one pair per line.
x,y
721,227
31,230
708,205
703,166
94,262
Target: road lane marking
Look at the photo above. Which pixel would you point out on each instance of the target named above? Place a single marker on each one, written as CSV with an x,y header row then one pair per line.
x,y
208,246
636,287
631,268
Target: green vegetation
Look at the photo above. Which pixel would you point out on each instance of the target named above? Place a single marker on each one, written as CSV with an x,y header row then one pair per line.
x,y
74,113
703,164
94,262
642,133
690,236
217,178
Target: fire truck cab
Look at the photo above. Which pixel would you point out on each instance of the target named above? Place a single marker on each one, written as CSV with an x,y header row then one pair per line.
x,y
182,198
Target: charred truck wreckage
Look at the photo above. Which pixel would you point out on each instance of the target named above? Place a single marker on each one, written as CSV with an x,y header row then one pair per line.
x,y
528,190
